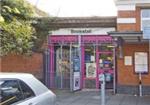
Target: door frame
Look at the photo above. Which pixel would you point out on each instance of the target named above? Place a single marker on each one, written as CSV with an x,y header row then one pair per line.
x,y
98,70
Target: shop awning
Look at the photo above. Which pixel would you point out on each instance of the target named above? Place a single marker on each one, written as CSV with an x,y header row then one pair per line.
x,y
66,39
130,37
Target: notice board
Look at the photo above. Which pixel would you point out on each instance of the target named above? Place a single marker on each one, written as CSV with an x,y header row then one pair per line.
x,y
141,62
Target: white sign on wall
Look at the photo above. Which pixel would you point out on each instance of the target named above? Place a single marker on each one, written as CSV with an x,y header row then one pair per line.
x,y
128,60
141,62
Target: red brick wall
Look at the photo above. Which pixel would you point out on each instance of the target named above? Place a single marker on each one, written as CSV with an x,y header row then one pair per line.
x,y
126,14
126,74
27,64
130,14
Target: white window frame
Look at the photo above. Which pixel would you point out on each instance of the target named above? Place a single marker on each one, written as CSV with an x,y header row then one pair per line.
x,y
144,18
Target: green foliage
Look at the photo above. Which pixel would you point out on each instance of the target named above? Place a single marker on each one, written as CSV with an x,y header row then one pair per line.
x,y
16,31
18,9
42,30
16,37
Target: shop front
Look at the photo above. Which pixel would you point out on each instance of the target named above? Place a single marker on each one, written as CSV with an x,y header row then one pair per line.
x,y
77,60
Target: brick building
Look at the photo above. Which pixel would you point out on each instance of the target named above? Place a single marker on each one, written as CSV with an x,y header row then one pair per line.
x,y
79,49
128,66
132,21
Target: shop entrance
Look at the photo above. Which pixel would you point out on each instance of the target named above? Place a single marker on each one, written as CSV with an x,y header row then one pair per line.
x,y
76,61
105,64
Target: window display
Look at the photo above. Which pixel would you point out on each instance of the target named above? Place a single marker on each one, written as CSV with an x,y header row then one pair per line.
x,y
105,61
90,64
62,61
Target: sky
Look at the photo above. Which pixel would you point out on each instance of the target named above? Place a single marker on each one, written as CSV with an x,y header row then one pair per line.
x,y
76,8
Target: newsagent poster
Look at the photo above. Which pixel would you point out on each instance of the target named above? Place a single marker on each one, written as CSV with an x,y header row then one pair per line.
x,y
91,70
76,81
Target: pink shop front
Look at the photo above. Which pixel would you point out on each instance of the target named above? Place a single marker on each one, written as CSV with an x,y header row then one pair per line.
x,y
77,60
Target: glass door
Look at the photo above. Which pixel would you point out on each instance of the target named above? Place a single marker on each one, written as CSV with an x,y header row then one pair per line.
x,y
105,64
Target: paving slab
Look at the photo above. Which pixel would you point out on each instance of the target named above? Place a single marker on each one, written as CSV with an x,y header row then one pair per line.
x,y
65,97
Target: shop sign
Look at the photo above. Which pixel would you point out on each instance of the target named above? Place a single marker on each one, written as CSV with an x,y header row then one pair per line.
x,y
146,33
81,31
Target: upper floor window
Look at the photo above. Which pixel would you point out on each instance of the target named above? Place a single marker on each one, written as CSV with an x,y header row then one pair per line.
x,y
145,18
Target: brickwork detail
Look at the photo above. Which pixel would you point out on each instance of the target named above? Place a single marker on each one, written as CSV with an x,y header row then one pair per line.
x,y
26,64
126,74
130,14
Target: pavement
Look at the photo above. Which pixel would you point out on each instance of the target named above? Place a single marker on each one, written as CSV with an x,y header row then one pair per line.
x,y
92,97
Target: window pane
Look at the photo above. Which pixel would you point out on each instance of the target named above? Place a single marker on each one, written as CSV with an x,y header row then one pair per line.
x,y
145,24
146,13
145,18
27,92
10,92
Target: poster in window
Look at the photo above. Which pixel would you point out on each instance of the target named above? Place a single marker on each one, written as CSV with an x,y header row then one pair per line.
x,y
76,64
91,70
93,58
87,58
141,62
76,81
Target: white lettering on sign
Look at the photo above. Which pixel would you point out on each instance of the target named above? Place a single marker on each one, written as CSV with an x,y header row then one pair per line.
x,y
81,31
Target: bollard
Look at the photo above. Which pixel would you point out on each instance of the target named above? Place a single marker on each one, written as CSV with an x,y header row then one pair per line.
x,y
140,84
102,81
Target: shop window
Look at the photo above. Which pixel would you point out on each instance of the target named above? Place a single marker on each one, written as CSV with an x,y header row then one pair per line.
x,y
63,57
63,60
106,61
108,47
90,62
145,18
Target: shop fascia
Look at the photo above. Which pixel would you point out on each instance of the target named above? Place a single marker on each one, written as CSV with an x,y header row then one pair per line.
x,y
82,31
